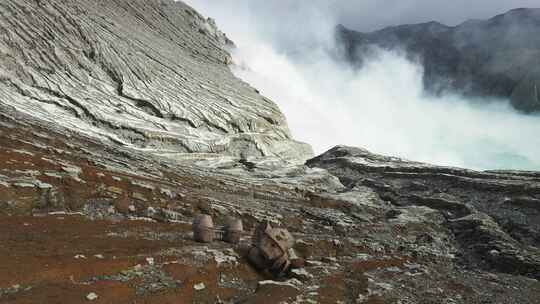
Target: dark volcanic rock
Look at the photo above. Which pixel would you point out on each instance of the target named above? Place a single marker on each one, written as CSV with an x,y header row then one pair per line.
x,y
493,215
498,57
96,213
93,93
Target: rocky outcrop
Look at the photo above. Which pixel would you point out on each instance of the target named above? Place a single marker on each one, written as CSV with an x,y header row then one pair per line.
x,y
498,57
493,216
78,216
93,94
151,75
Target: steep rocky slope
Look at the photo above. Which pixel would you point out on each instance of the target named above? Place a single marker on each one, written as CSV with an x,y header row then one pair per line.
x,y
152,75
88,209
80,217
493,216
498,57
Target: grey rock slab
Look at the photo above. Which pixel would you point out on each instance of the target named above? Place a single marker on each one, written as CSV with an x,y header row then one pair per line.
x,y
491,216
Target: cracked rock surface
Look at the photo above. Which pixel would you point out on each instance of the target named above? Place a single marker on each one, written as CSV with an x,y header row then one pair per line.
x,y
152,75
493,216
95,203
78,216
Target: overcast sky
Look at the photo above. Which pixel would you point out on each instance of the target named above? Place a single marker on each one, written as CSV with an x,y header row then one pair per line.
x,y
368,15
282,50
292,23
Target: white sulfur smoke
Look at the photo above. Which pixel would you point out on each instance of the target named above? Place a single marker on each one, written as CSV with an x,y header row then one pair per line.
x,y
283,50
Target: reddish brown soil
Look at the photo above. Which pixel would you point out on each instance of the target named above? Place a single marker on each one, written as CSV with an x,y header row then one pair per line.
x,y
40,252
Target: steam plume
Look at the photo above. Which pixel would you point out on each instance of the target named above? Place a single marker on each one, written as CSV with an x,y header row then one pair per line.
x,y
285,49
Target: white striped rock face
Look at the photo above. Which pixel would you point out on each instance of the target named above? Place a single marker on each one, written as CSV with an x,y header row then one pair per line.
x,y
148,74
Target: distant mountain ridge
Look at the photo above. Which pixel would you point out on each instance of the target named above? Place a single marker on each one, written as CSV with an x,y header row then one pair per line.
x,y
497,57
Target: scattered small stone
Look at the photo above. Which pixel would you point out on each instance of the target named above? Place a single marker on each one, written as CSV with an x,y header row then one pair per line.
x,y
384,286
24,185
115,190
301,274
143,185
139,196
91,296
329,260
150,261
313,287
50,161
199,286
361,299
23,152
167,192
53,175
227,257
289,283
99,256
42,185
363,257
393,269
494,252
313,263
80,256
492,277
111,210
74,172
151,210
412,266
295,282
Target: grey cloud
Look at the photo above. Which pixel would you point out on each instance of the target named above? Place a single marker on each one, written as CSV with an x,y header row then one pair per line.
x,y
365,15
282,51
291,23
368,15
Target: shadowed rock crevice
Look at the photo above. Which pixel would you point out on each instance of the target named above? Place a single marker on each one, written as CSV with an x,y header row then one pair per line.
x,y
493,215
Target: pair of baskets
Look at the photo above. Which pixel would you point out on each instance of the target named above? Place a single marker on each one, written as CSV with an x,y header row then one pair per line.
x,y
204,230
